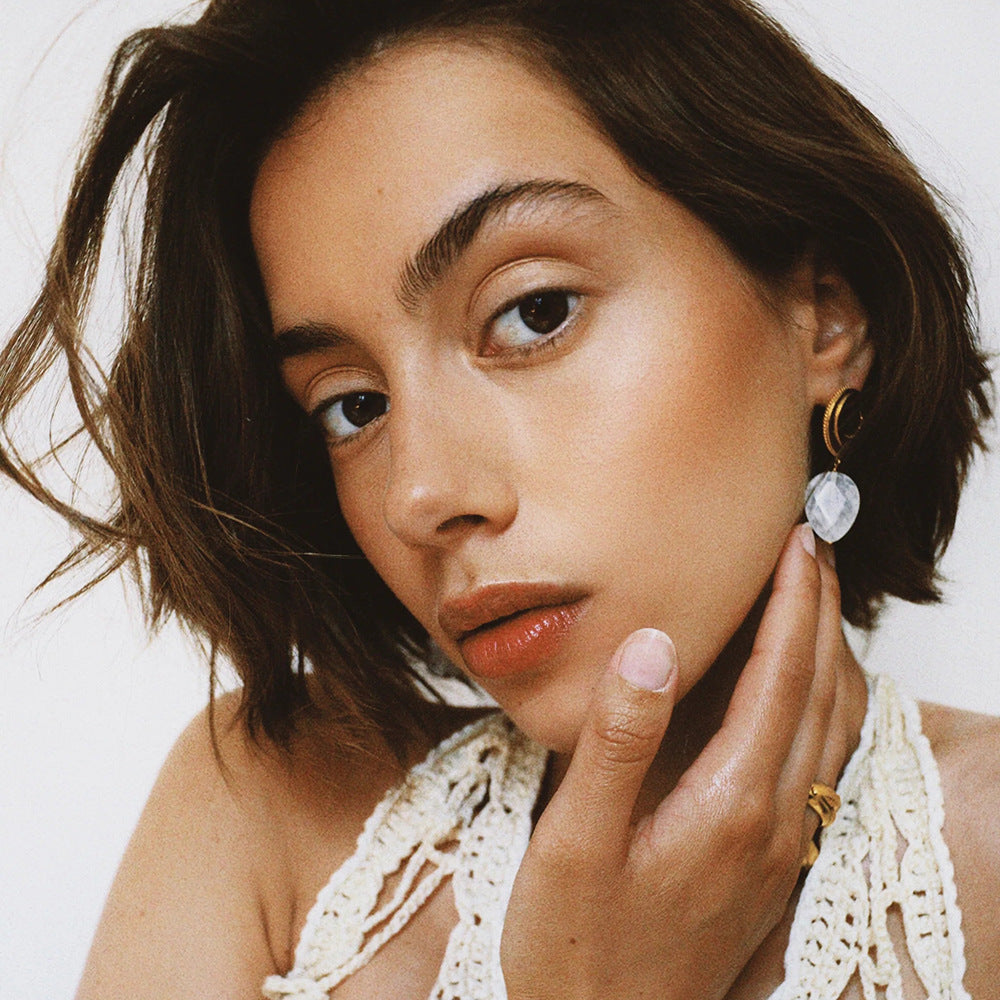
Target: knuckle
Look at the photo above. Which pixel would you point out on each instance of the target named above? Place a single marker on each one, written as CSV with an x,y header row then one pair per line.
x,y
624,738
745,821
557,852
563,854
790,845
797,667
778,868
751,820
756,824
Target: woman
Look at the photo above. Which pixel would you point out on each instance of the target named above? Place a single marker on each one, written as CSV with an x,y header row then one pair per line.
x,y
595,406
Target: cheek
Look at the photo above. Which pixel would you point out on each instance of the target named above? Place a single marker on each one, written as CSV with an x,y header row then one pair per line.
x,y
691,478
737,483
360,487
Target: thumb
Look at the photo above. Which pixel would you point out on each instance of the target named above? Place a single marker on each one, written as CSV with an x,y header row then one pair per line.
x,y
623,729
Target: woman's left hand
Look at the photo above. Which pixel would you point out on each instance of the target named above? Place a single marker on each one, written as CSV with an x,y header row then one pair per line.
x,y
674,906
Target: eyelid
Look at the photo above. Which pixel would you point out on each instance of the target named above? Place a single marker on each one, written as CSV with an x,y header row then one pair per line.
x,y
334,441
330,386
349,379
515,353
520,279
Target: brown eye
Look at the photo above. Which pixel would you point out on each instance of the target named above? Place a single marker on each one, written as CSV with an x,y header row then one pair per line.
x,y
362,408
531,320
544,312
345,416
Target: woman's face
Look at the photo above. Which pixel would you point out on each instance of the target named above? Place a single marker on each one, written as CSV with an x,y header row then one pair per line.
x,y
557,407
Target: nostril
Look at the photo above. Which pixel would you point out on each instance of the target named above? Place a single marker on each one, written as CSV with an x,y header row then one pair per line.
x,y
461,521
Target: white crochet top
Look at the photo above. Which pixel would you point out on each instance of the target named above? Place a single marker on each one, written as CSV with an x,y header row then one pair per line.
x,y
465,814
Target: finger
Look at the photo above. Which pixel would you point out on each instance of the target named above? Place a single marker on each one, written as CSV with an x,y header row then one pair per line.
x,y
762,720
620,737
830,638
850,686
819,751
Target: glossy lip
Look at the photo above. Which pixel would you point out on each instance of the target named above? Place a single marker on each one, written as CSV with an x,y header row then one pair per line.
x,y
509,628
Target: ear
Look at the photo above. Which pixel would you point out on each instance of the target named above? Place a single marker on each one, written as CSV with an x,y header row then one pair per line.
x,y
832,327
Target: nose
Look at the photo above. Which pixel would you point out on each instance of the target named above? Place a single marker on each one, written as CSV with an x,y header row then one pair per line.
x,y
450,468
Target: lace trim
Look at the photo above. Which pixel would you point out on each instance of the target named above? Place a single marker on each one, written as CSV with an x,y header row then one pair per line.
x,y
884,850
464,812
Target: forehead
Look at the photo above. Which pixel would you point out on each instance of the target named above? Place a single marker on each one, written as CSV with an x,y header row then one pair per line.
x,y
377,161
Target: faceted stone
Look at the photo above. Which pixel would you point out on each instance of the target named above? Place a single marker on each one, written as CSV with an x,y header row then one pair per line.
x,y
832,504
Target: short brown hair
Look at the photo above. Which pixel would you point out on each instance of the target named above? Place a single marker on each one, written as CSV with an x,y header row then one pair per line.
x,y
226,507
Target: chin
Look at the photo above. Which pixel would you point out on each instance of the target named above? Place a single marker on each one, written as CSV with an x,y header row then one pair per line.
x,y
553,715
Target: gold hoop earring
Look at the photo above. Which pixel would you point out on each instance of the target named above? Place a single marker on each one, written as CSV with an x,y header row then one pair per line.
x,y
832,498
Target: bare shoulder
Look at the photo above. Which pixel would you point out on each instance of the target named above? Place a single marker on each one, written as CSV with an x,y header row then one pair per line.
x,y
234,843
966,746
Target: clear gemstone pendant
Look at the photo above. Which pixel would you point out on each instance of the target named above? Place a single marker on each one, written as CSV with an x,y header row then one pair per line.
x,y
832,504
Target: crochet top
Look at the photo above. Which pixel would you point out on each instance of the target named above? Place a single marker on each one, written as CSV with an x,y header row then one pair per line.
x,y
465,814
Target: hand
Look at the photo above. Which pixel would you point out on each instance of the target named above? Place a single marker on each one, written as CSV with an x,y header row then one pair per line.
x,y
675,905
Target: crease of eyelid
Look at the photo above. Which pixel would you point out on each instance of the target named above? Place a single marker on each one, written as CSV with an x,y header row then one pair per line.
x,y
332,395
442,251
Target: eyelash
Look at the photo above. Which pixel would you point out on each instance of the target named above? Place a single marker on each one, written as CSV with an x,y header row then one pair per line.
x,y
334,441
545,342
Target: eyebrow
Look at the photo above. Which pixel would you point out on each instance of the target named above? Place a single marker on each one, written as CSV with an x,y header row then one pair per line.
x,y
429,265
442,251
307,338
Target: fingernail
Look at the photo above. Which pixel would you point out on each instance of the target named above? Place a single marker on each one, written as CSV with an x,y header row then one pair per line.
x,y
648,659
808,539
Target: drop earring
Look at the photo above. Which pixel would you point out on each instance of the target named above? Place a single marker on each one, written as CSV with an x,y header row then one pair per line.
x,y
832,498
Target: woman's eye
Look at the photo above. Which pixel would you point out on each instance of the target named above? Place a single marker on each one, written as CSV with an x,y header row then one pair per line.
x,y
343,417
530,319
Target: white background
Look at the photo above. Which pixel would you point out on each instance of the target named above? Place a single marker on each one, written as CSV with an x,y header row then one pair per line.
x,y
89,707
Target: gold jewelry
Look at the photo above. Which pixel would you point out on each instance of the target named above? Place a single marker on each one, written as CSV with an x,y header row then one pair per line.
x,y
834,436
832,498
825,802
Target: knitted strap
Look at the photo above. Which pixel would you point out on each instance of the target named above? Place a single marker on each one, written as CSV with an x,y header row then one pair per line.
x,y
463,814
884,850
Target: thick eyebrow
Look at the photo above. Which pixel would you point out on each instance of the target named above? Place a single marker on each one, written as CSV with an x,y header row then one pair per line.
x,y
307,338
442,251
439,253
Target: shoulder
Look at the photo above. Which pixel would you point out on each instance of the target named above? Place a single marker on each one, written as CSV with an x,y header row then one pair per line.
x,y
966,746
237,838
185,889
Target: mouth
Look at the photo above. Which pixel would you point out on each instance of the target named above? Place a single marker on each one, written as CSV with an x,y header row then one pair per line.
x,y
507,629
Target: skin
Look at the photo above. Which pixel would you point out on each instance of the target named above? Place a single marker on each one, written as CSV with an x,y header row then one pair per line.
x,y
653,456
674,379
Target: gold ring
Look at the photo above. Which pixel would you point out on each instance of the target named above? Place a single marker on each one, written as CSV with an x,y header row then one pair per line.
x,y
825,802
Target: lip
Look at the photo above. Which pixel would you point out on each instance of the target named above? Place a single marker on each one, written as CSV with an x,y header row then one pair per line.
x,y
510,628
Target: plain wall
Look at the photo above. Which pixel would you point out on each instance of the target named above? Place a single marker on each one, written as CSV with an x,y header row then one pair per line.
x,y
89,706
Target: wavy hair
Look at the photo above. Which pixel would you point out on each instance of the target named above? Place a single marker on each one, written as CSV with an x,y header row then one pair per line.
x,y
225,508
